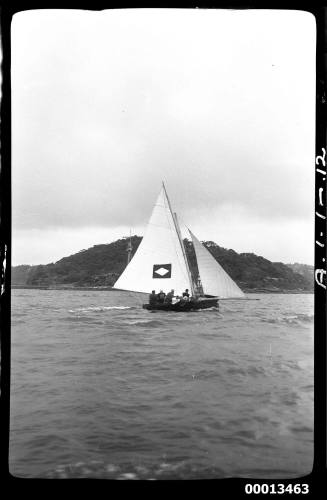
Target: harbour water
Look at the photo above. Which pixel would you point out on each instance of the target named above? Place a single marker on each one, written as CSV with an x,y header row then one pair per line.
x,y
101,388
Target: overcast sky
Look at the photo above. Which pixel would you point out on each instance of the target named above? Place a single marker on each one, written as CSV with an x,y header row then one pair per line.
x,y
219,104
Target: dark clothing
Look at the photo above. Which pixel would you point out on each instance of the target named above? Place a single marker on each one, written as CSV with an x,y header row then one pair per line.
x,y
152,299
169,297
161,297
186,294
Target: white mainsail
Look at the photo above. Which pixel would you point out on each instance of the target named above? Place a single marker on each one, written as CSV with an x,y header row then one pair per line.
x,y
158,263
215,281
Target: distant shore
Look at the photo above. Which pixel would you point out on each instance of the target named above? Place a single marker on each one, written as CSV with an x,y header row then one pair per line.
x,y
111,289
64,287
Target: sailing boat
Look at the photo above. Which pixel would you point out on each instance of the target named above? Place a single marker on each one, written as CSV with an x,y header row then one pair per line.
x,y
160,263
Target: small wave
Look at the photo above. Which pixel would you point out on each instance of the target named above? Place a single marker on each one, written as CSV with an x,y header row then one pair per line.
x,y
130,471
251,370
17,322
302,428
207,375
256,370
290,398
246,433
216,362
80,319
306,317
19,314
294,319
98,308
285,366
145,323
307,388
251,439
266,473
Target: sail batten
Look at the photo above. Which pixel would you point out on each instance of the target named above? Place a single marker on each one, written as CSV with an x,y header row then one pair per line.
x,y
214,279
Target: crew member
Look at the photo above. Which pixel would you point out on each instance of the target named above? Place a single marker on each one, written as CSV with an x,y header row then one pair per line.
x,y
153,298
161,297
169,297
186,295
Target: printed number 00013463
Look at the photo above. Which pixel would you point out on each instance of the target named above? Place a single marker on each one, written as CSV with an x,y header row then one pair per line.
x,y
276,489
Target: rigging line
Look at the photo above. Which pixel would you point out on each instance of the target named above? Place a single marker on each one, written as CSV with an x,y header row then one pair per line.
x,y
189,231
180,242
187,276
180,261
190,276
164,206
181,267
194,280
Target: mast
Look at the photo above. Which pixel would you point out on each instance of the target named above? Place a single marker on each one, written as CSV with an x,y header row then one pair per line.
x,y
174,216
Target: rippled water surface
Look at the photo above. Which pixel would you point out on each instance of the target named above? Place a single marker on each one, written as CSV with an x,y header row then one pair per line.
x,y
102,388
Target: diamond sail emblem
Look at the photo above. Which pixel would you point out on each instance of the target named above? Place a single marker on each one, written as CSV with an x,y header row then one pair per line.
x,y
161,271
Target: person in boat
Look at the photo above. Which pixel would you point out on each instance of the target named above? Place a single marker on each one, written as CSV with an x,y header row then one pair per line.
x,y
186,295
161,297
153,298
169,297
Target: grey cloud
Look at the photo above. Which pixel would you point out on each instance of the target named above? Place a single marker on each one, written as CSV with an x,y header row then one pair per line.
x,y
97,126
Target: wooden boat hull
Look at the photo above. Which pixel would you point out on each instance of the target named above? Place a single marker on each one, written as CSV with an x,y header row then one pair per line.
x,y
184,306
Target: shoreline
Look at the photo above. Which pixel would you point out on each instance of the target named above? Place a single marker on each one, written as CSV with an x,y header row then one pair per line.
x,y
111,289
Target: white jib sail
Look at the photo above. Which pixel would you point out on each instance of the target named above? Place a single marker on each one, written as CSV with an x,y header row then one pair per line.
x,y
215,281
158,263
